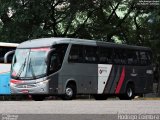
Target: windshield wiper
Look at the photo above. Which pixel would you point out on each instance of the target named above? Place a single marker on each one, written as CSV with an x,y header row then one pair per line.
x,y
21,69
32,71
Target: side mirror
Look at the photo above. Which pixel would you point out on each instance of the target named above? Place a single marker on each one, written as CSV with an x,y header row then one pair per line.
x,y
7,57
48,55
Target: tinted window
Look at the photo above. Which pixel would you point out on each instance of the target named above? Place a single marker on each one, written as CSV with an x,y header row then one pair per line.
x,y
3,51
56,57
9,58
60,49
76,54
120,56
149,57
90,54
143,58
132,57
83,54
105,55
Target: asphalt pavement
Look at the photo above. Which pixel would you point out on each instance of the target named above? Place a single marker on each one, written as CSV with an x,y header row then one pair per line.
x,y
77,109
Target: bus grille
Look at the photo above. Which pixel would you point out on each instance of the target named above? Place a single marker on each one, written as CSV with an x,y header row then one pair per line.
x,y
26,86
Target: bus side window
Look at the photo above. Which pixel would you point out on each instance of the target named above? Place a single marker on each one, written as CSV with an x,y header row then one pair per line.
x,y
54,63
143,58
56,57
120,56
132,57
136,57
1,55
76,54
3,51
149,57
9,58
105,55
90,54
123,56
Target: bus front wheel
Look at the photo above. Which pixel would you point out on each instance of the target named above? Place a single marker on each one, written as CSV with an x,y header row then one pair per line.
x,y
70,92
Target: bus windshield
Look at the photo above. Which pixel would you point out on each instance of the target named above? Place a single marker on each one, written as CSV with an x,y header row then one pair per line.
x,y
29,63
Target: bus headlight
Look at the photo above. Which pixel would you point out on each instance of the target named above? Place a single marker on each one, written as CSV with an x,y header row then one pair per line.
x,y
43,82
12,84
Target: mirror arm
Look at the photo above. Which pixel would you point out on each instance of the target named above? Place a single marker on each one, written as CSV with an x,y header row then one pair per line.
x,y
7,54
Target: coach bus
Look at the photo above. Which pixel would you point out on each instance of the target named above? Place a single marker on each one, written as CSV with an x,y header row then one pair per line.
x,y
68,67
5,68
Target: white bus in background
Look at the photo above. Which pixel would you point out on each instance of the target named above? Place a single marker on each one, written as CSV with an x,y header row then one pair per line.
x,y
5,68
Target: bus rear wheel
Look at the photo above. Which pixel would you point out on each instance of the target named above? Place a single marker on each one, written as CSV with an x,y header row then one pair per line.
x,y
129,93
70,92
100,97
38,97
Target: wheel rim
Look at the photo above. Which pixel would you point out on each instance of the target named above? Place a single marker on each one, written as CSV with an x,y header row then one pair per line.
x,y
129,92
69,92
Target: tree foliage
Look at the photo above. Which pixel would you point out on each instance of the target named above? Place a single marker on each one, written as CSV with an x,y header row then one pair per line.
x,y
106,20
121,21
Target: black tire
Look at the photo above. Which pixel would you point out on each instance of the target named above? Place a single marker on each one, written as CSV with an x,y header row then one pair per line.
x,y
100,97
70,92
38,97
129,93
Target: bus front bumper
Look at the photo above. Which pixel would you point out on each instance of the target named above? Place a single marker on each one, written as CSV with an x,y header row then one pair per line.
x,y
30,88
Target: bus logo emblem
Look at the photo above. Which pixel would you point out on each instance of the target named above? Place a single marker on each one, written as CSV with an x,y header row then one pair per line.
x,y
101,71
24,86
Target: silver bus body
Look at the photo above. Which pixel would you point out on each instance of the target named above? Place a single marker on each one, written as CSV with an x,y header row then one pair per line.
x,y
91,77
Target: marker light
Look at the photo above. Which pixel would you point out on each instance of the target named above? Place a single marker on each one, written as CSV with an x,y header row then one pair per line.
x,y
16,81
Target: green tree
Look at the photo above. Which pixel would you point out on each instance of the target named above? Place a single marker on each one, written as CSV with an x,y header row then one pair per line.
x,y
105,20
122,21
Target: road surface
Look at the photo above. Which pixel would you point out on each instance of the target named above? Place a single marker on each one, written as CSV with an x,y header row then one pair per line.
x,y
80,107
76,109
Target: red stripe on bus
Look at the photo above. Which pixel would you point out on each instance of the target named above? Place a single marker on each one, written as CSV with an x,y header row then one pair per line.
x,y
40,49
121,80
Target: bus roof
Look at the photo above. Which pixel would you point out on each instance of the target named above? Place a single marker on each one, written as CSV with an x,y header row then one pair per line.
x,y
4,44
49,42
